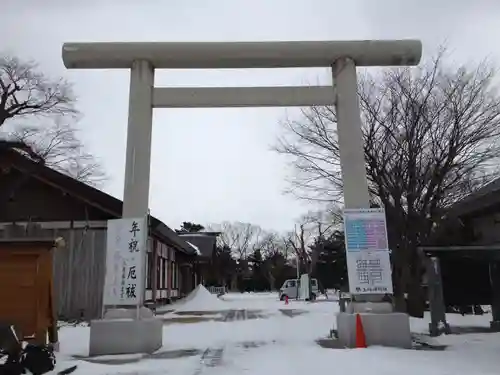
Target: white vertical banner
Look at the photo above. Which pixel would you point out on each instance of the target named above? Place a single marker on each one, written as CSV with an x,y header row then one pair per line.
x,y
125,258
367,251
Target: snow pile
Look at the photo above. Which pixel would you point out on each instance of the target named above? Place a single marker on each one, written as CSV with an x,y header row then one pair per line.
x,y
200,299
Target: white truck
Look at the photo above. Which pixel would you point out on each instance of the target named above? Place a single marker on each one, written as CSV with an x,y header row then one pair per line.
x,y
290,289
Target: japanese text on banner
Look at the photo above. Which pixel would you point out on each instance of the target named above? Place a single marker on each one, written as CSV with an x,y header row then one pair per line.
x,y
126,248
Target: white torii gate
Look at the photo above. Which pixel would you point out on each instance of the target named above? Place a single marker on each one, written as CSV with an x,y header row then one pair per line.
x,y
143,58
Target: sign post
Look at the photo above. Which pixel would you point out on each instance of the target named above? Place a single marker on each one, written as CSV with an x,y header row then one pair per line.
x,y
367,251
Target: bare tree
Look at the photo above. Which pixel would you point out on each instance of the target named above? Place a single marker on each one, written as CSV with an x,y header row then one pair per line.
x,y
25,91
272,247
237,236
311,227
299,241
58,145
323,223
430,138
26,96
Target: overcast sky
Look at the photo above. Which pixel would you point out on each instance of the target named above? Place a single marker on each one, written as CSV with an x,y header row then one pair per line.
x,y
211,165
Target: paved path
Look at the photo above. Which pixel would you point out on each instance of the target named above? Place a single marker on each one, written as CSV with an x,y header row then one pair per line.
x,y
235,315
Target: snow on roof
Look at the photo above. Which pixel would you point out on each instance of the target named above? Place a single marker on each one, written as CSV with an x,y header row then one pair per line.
x,y
198,234
198,252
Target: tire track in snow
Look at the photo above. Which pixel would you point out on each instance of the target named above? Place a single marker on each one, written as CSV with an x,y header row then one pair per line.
x,y
212,357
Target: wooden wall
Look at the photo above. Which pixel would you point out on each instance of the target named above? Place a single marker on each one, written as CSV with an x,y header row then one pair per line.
x,y
78,268
79,272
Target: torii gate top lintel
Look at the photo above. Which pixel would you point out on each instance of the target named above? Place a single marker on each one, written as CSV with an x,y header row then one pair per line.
x,y
244,55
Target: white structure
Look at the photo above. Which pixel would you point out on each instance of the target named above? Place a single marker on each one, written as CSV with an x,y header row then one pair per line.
x,y
143,58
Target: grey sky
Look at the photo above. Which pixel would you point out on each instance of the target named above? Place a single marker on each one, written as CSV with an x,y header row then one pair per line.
x,y
214,165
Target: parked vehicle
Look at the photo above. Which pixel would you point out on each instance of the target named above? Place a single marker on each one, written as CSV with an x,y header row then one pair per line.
x,y
290,289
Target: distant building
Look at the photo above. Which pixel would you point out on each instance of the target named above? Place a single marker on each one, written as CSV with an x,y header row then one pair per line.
x,y
206,244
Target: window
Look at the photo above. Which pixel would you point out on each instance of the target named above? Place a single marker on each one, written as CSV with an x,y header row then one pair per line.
x,y
172,275
176,280
163,267
149,271
158,273
175,276
291,284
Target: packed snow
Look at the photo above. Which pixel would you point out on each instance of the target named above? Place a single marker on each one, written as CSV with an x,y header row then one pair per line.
x,y
263,340
200,299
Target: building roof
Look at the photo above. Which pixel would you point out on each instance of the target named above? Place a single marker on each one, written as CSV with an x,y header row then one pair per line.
x,y
202,233
480,252
204,241
482,199
89,195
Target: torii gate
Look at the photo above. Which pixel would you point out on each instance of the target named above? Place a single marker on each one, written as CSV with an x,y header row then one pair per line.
x,y
143,58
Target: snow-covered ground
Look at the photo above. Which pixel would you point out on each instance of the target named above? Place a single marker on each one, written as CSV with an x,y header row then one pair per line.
x,y
247,333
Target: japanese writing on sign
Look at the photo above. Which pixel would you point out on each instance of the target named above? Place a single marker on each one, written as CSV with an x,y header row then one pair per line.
x,y
132,243
367,250
131,283
122,285
369,272
365,230
126,252
372,290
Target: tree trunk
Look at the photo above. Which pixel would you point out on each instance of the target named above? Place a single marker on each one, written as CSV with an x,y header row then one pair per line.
x,y
416,297
416,301
399,294
272,282
234,282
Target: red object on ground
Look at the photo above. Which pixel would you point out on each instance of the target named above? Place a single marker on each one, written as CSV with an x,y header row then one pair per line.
x,y
360,333
286,300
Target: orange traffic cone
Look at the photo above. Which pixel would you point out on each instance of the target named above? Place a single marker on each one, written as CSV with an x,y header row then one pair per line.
x,y
286,300
360,333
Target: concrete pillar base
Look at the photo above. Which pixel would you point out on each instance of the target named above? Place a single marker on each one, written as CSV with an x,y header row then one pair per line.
x,y
128,313
369,307
384,329
125,336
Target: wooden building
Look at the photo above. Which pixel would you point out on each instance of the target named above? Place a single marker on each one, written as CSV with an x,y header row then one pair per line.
x,y
37,201
467,250
205,243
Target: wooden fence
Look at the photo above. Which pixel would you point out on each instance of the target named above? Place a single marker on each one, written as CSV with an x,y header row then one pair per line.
x,y
79,267
219,290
